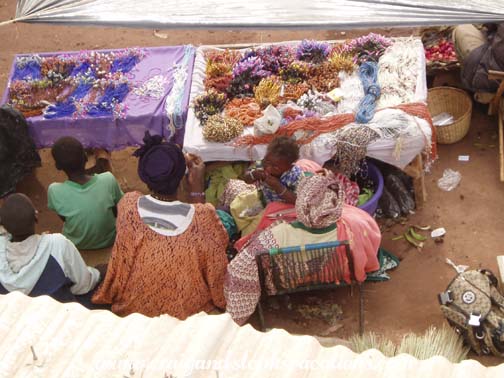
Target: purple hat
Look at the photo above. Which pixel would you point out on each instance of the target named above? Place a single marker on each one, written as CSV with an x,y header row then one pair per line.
x,y
162,164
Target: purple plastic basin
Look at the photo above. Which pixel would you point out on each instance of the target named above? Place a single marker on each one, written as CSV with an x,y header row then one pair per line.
x,y
374,175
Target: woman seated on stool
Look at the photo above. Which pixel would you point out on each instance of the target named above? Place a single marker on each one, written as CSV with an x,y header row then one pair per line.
x,y
322,216
267,217
169,257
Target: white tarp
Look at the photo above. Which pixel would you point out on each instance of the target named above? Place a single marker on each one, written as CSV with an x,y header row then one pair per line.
x,y
291,14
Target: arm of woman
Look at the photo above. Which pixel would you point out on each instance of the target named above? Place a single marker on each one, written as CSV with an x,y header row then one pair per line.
x,y
123,253
283,191
216,262
195,178
242,287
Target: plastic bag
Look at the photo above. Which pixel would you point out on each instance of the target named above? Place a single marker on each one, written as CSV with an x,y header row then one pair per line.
x,y
401,194
269,122
450,180
388,206
442,119
406,180
336,94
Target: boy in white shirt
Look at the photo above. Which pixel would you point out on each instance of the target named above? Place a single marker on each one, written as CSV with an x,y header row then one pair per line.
x,y
47,264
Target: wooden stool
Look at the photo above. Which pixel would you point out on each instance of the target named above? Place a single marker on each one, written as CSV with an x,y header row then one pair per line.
x,y
416,171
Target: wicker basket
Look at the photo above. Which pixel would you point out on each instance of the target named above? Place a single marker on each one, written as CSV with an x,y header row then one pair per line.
x,y
456,102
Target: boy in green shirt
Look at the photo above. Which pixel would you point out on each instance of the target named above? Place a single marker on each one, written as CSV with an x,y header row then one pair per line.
x,y
87,204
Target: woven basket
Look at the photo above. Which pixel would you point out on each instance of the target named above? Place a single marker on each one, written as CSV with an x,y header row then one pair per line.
x,y
456,102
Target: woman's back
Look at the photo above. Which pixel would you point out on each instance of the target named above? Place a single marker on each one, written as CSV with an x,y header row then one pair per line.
x,y
154,274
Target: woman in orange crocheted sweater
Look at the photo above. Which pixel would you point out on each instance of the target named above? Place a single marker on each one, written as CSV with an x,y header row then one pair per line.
x,y
169,257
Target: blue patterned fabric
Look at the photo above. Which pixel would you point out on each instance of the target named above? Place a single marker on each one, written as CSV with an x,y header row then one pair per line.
x,y
289,179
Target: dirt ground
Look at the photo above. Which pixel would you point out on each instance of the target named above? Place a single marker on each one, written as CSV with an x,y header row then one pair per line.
x,y
408,302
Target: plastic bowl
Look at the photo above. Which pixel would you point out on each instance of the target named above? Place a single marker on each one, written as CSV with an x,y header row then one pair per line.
x,y
374,175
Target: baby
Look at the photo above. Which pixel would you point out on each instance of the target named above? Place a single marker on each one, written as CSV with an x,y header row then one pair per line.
x,y
280,171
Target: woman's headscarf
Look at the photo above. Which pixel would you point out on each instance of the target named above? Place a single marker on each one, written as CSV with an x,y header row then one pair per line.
x,y
319,200
162,164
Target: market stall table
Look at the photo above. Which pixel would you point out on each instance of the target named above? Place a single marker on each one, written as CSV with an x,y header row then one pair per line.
x,y
403,136
321,148
105,98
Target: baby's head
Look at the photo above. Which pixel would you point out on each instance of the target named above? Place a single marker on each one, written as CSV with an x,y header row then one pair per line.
x,y
18,215
69,155
281,154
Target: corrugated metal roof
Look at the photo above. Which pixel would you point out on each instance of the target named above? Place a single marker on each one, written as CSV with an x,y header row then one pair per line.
x,y
71,341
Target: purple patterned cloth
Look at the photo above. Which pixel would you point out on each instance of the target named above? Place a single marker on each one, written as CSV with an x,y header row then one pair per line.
x,y
142,112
